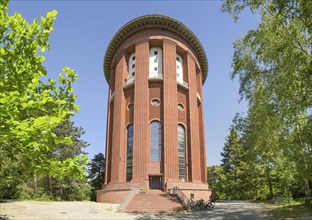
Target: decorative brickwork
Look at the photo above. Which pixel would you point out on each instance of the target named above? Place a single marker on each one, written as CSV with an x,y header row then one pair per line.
x,y
143,97
155,92
182,99
129,97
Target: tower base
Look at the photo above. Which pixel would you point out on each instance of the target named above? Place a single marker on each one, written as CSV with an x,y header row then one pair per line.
x,y
117,192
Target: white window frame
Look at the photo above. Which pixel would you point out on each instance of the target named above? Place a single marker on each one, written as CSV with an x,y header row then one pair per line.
x,y
179,68
131,69
155,68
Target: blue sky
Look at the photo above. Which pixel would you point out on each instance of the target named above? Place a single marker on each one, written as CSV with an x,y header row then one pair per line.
x,y
83,30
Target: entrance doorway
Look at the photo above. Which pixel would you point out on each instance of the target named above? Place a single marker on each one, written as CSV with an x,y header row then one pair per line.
x,y
155,182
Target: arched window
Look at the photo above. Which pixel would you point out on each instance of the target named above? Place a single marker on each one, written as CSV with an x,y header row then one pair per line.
x,y
155,137
181,152
129,152
155,62
179,66
131,67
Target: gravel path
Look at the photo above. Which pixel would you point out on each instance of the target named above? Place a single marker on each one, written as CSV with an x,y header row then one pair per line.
x,y
91,210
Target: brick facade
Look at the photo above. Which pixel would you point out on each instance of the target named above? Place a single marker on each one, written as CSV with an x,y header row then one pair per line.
x,y
140,93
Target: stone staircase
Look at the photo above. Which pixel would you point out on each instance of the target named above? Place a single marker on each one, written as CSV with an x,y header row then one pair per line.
x,y
154,201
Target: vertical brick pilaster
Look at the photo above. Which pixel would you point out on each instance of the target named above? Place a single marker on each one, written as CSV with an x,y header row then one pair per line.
x,y
141,114
193,131
118,171
170,122
202,143
107,150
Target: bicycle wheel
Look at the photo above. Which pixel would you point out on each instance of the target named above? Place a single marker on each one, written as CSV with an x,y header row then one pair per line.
x,y
210,205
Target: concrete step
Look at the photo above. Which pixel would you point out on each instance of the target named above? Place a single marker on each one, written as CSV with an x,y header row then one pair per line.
x,y
154,201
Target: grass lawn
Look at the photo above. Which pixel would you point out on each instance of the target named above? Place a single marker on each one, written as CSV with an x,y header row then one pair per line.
x,y
294,210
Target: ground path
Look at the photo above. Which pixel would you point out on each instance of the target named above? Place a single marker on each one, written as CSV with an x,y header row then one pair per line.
x,y
91,210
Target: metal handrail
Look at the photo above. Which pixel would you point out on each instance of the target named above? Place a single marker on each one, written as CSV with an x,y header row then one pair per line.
x,y
128,198
182,197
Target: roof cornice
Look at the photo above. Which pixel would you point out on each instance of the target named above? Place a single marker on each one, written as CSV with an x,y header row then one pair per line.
x,y
155,21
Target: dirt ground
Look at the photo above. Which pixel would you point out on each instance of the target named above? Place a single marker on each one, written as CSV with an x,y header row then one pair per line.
x,y
91,210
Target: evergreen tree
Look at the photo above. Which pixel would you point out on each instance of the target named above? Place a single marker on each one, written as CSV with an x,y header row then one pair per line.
x,y
217,181
234,167
69,188
96,176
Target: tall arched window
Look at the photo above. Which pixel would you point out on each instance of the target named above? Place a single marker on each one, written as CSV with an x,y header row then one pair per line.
x,y
129,152
181,152
179,66
155,137
131,67
155,62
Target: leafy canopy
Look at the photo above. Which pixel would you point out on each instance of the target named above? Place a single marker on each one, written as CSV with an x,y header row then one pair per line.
x,y
31,106
274,65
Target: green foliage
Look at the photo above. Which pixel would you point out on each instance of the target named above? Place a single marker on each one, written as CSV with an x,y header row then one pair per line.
x,y
41,187
216,180
274,65
32,108
96,170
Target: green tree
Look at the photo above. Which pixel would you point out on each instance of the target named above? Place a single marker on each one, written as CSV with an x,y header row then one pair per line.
x,y
68,188
274,65
31,107
96,170
236,168
217,181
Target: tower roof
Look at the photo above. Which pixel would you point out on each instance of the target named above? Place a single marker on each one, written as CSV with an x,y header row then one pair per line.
x,y
155,21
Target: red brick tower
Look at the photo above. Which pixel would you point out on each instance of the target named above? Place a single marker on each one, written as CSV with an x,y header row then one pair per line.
x,y
155,67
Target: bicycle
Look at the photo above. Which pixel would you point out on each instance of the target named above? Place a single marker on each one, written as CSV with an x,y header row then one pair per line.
x,y
201,205
278,199
210,205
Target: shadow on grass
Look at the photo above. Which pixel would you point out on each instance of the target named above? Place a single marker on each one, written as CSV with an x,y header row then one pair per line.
x,y
6,201
292,211
4,217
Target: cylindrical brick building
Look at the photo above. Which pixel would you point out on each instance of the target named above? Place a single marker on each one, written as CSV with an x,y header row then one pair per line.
x,y
155,67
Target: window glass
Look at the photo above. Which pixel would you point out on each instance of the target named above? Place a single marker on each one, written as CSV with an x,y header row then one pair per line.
x,y
181,152
180,107
155,102
129,152
155,141
130,106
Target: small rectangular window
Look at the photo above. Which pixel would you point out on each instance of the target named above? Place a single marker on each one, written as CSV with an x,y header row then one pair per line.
x,y
155,61
133,58
155,52
178,59
178,67
155,68
133,65
133,73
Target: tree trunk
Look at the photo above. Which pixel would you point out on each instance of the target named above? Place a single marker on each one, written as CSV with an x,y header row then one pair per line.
x,y
35,184
307,192
50,186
